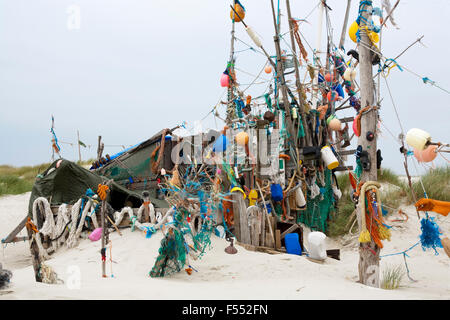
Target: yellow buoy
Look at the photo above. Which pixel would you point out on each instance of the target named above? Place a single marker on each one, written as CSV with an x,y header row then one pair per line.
x,y
352,31
240,11
354,28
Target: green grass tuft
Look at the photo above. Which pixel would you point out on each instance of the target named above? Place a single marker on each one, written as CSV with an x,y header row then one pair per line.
x,y
392,277
10,184
436,183
387,175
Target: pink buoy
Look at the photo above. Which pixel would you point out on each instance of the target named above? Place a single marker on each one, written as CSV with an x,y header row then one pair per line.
x,y
426,155
96,234
225,80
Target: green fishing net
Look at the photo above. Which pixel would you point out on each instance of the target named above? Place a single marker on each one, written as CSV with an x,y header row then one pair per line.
x,y
174,248
318,209
202,240
172,255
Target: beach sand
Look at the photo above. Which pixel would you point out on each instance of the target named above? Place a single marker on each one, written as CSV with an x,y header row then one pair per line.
x,y
245,275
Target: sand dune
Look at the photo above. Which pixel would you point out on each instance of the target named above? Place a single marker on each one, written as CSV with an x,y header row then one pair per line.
x,y
246,275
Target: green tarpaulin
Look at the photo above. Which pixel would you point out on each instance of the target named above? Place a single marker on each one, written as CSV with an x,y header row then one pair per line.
x,y
69,182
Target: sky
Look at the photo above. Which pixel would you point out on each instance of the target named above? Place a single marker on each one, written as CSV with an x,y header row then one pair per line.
x,y
125,69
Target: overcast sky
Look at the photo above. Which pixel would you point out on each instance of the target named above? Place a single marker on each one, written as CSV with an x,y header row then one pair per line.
x,y
127,69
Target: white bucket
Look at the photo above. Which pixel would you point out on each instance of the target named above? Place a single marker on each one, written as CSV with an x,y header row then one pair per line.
x,y
417,138
328,157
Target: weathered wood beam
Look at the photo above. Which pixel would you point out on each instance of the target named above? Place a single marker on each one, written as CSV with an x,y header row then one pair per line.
x,y
10,238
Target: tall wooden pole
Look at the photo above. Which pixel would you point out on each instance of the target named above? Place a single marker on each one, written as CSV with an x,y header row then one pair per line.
x,y
282,82
344,27
369,253
230,110
79,148
100,148
298,84
103,213
316,57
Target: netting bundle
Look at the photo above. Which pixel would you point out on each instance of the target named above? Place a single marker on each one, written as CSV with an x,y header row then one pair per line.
x,y
172,255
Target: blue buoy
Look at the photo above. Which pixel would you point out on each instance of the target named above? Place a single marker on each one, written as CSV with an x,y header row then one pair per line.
x,y
221,144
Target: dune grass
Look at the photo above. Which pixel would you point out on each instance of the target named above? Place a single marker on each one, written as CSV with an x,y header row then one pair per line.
x,y
10,184
18,180
392,277
436,183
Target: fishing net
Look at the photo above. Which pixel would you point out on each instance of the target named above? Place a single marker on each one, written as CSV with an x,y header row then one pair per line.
x,y
172,255
318,209
202,240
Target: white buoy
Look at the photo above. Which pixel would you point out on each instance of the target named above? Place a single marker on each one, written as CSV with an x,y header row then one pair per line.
x,y
299,198
253,35
294,113
417,138
317,249
349,74
328,157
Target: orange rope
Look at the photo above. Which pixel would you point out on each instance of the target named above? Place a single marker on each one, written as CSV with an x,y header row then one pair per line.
x,y
31,226
101,191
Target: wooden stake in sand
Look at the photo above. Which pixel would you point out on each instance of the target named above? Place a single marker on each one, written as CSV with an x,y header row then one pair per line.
x,y
102,193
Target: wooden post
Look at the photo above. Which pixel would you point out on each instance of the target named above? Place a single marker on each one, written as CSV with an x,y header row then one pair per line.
x,y
230,109
281,81
316,57
35,258
344,27
78,142
298,83
103,209
369,261
100,148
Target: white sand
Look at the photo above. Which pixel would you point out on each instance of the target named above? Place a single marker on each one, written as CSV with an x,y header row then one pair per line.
x,y
246,275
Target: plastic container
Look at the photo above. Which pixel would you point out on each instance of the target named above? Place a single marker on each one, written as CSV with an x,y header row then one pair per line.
x,y
316,241
292,244
417,138
328,157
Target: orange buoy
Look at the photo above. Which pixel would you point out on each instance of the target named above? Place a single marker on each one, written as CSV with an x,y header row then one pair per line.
x,y
242,138
426,155
332,96
335,124
268,69
328,77
240,13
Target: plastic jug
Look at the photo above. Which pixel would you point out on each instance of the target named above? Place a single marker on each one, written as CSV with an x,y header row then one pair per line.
x,y
316,247
292,244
